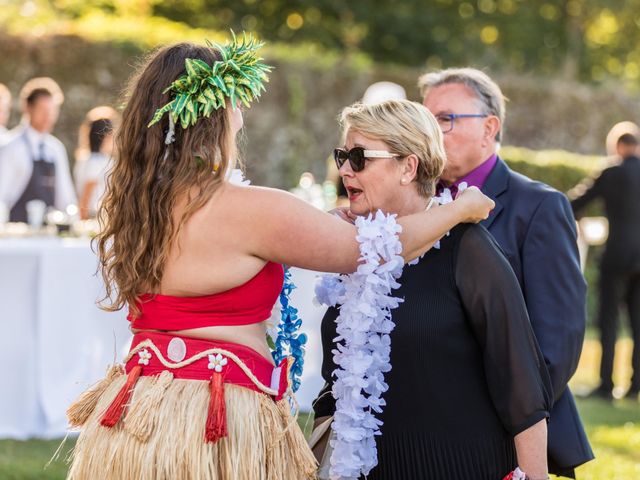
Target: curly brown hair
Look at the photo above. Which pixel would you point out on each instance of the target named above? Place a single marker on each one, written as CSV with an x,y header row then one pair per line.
x,y
137,226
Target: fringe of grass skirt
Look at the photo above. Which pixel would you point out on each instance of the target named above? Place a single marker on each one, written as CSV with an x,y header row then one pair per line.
x,y
162,434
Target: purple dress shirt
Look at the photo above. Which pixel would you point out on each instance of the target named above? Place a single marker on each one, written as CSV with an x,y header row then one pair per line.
x,y
475,178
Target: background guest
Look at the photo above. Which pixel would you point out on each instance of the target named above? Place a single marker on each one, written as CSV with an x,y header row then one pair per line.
x,y
5,111
619,129
95,148
619,187
34,163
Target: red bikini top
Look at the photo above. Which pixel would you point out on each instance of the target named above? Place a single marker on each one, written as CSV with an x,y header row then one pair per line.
x,y
248,303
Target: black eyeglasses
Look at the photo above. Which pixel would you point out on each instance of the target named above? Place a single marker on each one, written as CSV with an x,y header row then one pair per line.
x,y
357,157
446,120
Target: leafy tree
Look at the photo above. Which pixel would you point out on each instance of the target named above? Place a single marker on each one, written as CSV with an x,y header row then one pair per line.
x,y
575,39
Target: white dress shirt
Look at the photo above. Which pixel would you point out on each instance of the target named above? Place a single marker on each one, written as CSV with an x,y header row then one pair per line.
x,y
4,135
16,166
93,169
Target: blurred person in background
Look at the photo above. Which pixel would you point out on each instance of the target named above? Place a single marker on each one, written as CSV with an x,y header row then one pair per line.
x,y
619,129
34,164
619,187
5,111
534,225
93,156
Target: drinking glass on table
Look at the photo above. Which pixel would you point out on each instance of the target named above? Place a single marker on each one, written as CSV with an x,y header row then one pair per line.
x,y
35,213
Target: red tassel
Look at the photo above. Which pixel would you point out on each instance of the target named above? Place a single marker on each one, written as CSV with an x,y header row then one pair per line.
x,y
116,409
216,427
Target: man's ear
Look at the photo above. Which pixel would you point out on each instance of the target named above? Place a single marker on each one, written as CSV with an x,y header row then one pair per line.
x,y
492,126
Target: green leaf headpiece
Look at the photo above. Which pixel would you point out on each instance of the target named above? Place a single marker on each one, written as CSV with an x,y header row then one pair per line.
x,y
239,76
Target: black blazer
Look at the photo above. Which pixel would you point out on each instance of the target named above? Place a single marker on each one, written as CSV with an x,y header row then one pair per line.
x,y
619,187
535,227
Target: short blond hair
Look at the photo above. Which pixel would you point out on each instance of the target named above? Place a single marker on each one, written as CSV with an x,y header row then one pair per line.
x,y
408,128
484,88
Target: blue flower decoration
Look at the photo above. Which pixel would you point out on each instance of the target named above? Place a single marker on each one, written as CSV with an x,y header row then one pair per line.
x,y
289,342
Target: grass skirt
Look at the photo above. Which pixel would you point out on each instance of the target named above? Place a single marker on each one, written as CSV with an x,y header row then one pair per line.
x,y
162,434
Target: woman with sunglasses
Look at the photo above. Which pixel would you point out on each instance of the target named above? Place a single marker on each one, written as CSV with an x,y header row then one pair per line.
x,y
197,260
468,391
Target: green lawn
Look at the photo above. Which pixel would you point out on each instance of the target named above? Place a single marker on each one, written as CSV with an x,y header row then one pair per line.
x,y
614,431
27,460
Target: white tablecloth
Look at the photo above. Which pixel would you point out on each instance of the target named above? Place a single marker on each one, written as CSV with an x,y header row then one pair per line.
x,y
56,342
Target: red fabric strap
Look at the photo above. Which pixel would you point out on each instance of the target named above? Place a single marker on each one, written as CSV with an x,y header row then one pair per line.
x,y
246,304
190,358
177,349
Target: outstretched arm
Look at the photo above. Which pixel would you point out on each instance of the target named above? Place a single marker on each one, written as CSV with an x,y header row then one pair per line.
x,y
589,190
290,231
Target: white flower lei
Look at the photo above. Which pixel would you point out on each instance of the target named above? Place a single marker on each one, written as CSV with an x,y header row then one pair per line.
x,y
235,176
363,343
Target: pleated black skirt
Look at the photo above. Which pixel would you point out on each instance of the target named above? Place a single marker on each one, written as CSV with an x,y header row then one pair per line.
x,y
417,456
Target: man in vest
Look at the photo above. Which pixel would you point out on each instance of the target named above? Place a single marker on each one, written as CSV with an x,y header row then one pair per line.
x,y
34,164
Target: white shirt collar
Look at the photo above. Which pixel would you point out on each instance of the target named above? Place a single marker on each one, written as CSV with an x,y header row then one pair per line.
x,y
97,156
35,137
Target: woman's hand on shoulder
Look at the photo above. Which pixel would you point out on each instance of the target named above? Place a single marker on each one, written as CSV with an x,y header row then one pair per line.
x,y
474,205
343,213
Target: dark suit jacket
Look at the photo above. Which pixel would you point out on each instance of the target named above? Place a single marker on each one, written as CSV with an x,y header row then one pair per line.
x,y
535,227
619,187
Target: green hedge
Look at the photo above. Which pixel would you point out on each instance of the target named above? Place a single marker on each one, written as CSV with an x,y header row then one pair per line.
x,y
558,168
561,169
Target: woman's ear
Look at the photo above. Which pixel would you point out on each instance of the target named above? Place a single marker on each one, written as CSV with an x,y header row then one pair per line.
x,y
409,169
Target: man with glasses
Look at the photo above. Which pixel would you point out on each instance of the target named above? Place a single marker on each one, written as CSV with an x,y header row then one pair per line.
x,y
535,227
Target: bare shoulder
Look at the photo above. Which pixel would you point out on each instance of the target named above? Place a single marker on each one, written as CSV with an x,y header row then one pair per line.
x,y
251,204
238,211
275,225
252,197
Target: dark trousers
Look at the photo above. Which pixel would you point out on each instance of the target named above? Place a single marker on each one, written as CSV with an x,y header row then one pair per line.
x,y
617,288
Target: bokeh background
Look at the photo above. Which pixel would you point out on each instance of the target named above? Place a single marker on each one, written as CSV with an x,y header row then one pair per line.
x,y
570,68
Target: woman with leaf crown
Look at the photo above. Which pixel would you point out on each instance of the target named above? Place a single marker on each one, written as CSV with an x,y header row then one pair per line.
x,y
197,260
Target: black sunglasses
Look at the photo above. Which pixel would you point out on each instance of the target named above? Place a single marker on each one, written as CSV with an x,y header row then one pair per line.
x,y
357,157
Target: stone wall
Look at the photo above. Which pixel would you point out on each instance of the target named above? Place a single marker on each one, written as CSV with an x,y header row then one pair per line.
x,y
293,128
